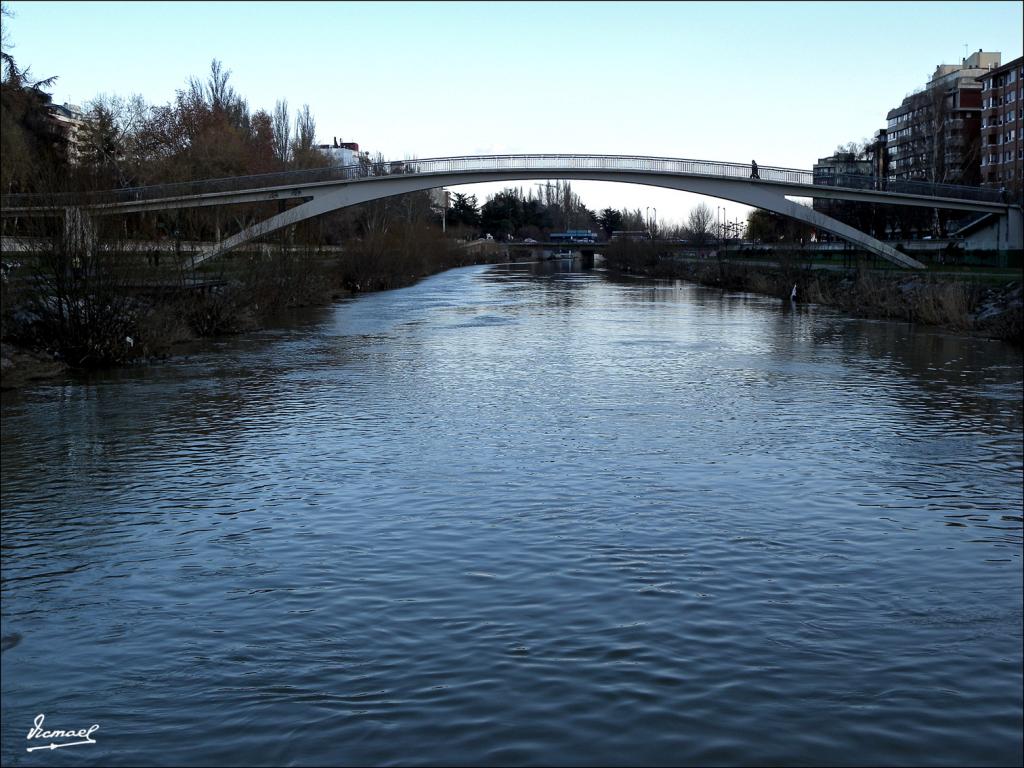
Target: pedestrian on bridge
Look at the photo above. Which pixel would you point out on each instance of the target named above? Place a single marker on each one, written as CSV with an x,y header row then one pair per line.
x,y
753,170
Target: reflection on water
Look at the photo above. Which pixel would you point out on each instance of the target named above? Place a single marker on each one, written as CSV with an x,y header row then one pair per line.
x,y
525,515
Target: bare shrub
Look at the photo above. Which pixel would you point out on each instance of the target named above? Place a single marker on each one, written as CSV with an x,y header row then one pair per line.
x,y
160,328
76,303
819,291
277,277
211,313
945,304
758,283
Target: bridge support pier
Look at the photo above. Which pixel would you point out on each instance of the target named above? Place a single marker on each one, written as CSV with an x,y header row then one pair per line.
x,y
1011,230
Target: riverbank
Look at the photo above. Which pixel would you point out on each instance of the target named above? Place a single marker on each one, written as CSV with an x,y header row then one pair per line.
x,y
994,311
104,319
19,367
249,294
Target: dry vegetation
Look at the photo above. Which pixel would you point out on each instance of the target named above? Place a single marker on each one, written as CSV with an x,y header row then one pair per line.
x,y
996,312
89,307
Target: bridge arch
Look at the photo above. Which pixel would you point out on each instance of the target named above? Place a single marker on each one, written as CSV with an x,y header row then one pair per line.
x,y
327,189
766,195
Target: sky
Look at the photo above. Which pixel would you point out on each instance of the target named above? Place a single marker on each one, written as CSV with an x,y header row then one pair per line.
x,y
780,82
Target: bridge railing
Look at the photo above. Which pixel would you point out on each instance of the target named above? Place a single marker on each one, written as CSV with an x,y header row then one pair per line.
x,y
497,163
668,165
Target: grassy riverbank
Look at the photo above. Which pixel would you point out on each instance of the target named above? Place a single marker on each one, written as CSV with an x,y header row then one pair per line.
x,y
990,308
115,306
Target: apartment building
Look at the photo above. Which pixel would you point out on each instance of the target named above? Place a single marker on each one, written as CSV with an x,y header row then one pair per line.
x,y
343,152
69,121
845,169
935,134
1002,121
836,170
876,152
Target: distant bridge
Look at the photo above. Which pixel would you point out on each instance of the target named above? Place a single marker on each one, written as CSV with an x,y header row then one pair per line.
x,y
322,190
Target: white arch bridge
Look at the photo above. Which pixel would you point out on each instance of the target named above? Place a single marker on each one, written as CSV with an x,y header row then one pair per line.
x,y
322,190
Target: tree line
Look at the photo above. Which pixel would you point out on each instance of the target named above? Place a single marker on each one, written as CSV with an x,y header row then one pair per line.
x,y
547,207
209,130
206,131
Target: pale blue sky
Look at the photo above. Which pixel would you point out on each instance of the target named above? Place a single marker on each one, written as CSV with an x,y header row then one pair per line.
x,y
780,82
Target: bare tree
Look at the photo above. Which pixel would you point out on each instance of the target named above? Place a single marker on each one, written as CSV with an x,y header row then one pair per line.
x,y
219,95
857,149
633,221
698,223
5,42
304,151
112,140
282,131
305,130
939,115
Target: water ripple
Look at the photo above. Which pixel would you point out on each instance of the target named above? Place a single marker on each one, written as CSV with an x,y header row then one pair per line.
x,y
520,516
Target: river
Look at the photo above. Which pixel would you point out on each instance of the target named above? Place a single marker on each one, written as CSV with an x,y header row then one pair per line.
x,y
523,515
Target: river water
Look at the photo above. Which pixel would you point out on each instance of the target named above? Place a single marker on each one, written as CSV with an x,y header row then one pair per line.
x,y
517,515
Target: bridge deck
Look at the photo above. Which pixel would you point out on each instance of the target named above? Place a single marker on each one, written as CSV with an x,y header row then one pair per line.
x,y
800,180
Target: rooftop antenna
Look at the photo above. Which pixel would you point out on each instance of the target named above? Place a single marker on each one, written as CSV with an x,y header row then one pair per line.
x,y
965,52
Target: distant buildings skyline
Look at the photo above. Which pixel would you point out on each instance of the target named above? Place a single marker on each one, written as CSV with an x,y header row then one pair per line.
x,y
962,127
1002,119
